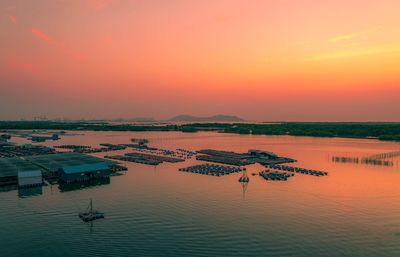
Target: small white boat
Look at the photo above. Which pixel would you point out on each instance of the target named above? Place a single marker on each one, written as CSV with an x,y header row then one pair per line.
x,y
90,214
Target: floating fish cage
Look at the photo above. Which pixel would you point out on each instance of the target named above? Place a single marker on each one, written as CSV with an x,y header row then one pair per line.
x,y
134,159
297,170
212,169
72,146
155,157
275,175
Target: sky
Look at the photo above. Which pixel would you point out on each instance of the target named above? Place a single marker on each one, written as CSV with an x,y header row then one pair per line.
x,y
287,60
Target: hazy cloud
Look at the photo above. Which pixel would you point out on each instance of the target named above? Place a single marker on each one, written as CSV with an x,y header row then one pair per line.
x,y
222,19
15,65
351,36
49,40
13,19
41,35
354,53
100,4
20,67
11,7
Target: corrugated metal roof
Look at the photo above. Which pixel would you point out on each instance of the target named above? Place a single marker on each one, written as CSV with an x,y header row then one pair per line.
x,y
29,174
262,152
55,162
85,168
9,167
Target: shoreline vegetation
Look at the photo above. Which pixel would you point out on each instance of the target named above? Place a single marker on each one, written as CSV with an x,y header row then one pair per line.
x,y
386,131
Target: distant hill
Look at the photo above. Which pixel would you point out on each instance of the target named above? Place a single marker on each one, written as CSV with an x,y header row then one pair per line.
x,y
226,118
139,119
143,119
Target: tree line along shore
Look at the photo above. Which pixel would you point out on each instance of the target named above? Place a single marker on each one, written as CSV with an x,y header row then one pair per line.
x,y
379,130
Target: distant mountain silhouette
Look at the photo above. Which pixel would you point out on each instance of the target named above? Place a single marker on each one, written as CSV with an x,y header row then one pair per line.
x,y
143,119
211,118
138,119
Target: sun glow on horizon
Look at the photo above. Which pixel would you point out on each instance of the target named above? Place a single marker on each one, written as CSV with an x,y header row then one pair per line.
x,y
132,54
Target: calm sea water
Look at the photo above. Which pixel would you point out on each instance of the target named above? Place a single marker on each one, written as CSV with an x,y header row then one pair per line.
x,y
159,211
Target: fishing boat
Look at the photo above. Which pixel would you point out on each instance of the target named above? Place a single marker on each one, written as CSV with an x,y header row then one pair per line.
x,y
90,214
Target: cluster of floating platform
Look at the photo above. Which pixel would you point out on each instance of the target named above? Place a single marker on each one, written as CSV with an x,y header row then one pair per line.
x,y
138,146
223,160
187,154
186,151
297,170
117,167
241,159
134,159
89,149
11,150
224,157
275,175
31,171
32,166
74,165
106,148
144,158
179,153
33,135
72,147
36,138
211,169
155,157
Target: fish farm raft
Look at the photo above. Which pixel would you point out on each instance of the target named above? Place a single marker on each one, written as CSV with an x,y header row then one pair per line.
x,y
275,175
298,170
241,159
72,166
212,169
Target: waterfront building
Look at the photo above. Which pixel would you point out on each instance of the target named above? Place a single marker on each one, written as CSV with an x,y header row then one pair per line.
x,y
85,172
30,178
262,154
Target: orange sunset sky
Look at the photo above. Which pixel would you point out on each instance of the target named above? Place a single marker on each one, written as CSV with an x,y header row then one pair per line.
x,y
303,60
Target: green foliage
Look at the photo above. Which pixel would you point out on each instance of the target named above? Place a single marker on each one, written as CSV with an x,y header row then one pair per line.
x,y
189,129
390,137
383,131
